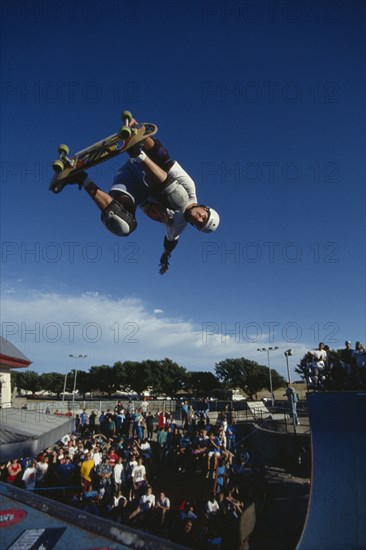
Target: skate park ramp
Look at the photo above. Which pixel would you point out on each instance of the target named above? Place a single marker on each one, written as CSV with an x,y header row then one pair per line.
x,y
336,517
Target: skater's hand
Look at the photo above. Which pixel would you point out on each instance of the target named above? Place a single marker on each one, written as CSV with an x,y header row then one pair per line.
x,y
164,263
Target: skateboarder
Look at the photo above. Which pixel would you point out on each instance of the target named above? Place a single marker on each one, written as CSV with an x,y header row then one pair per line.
x,y
157,184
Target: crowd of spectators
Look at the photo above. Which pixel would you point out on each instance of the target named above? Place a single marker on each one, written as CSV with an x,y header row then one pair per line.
x,y
342,370
186,480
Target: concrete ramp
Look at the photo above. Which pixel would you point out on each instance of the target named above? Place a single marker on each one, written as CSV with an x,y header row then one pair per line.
x,y
336,517
258,409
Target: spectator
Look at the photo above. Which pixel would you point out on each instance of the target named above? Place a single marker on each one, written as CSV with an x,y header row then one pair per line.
x,y
65,471
214,451
138,475
318,364
220,475
29,476
162,506
113,456
292,400
96,455
119,501
146,504
233,506
14,470
184,414
104,472
140,426
150,425
86,473
83,422
161,420
41,470
92,418
184,535
187,512
102,422
359,356
110,428
206,409
120,418
117,475
212,507
144,408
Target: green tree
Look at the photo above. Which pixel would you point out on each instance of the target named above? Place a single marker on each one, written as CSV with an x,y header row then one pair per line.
x,y
166,376
247,375
137,376
102,378
83,382
202,383
52,382
28,381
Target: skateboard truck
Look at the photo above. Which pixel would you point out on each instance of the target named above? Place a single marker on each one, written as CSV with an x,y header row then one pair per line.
x,y
64,160
126,130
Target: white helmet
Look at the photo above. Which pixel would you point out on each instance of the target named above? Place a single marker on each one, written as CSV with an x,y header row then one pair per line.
x,y
212,223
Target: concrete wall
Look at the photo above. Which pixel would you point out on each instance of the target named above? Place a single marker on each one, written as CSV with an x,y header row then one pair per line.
x,y
5,395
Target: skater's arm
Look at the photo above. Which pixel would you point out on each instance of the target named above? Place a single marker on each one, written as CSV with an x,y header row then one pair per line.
x,y
168,249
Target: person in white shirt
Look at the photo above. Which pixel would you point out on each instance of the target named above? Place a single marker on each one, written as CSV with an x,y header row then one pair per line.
x,y
96,456
212,507
146,503
41,470
139,474
29,476
160,187
318,363
162,506
119,500
117,474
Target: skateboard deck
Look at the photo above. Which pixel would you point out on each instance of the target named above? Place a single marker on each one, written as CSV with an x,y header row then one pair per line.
x,y
101,151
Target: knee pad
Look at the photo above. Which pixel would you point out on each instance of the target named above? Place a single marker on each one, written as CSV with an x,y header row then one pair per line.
x,y
174,195
118,219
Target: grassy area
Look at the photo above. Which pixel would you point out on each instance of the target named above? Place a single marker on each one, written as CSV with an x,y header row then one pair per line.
x,y
279,394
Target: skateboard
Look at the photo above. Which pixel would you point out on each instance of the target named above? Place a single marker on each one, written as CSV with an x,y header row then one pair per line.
x,y
103,150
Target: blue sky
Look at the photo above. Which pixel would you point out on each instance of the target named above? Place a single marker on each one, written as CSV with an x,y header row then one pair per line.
x,y
262,103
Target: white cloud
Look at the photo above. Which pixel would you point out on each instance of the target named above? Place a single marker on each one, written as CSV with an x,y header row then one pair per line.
x,y
48,327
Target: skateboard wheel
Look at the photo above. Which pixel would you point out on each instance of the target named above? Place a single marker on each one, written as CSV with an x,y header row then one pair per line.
x,y
126,114
58,166
125,132
63,149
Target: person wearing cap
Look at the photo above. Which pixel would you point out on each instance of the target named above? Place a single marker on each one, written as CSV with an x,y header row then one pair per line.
x,y
157,184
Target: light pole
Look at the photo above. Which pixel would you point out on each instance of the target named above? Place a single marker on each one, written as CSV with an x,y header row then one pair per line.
x,y
288,353
65,380
76,357
269,368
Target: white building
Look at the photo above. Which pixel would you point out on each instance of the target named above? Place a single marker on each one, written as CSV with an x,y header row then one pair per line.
x,y
10,358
